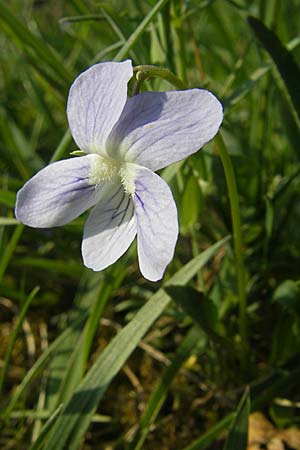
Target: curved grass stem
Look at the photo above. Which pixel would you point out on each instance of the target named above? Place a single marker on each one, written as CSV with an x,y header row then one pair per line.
x,y
237,239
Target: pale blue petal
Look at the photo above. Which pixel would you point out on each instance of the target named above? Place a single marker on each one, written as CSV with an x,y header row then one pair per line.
x,y
109,230
157,225
96,100
160,128
57,194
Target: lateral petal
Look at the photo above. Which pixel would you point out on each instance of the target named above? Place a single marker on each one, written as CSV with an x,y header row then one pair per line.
x,y
96,100
109,230
57,194
157,226
159,128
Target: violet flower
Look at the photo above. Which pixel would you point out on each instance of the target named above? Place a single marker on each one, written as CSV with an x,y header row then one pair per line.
x,y
126,140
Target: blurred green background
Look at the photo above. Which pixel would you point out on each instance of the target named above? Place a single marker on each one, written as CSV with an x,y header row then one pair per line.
x,y
174,376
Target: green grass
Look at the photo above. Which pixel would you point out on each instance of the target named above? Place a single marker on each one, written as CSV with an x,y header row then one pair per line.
x,y
108,360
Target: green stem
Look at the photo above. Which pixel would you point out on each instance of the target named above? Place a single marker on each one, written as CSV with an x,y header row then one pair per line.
x,y
237,237
9,249
62,147
140,29
144,72
179,41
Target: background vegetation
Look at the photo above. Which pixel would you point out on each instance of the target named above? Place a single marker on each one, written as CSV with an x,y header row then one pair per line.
x,y
108,360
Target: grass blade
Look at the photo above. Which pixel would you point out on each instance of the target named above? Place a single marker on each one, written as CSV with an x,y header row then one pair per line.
x,y
139,30
239,93
211,435
45,430
193,338
15,333
238,434
282,58
9,249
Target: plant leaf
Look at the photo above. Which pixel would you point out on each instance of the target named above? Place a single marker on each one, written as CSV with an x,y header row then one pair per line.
x,y
282,58
238,435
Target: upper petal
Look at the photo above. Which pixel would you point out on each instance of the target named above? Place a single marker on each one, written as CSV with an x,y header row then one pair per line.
x,y
157,226
160,128
57,194
109,230
96,100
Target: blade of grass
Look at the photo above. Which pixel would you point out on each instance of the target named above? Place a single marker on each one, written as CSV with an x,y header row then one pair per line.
x,y
283,59
193,338
45,414
239,93
9,250
61,364
45,430
74,371
238,245
5,221
211,435
238,434
7,198
14,335
139,30
62,147
70,268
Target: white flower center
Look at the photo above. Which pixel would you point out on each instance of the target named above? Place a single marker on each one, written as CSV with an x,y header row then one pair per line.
x,y
105,169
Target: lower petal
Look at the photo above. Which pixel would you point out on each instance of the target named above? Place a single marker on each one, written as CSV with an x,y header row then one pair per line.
x,y
57,194
157,225
109,230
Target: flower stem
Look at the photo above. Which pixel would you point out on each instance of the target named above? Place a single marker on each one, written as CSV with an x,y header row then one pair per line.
x,y
237,239
62,147
144,72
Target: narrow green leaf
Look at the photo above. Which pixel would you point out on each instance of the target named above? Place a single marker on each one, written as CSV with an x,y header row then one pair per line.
x,y
169,172
192,339
238,434
70,268
269,218
45,414
191,203
7,198
287,294
139,30
45,430
61,369
15,333
77,413
277,384
211,435
239,93
282,58
62,147
74,370
4,221
9,249
200,308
